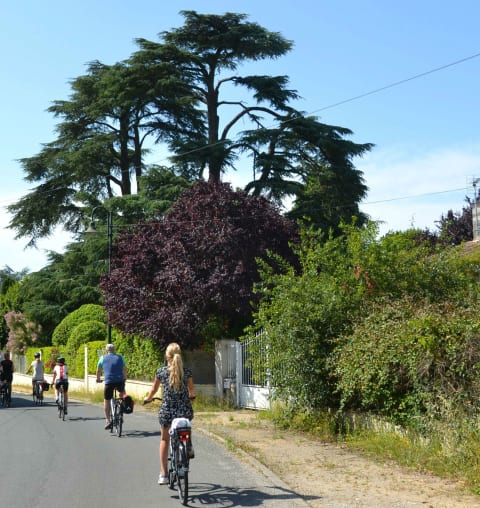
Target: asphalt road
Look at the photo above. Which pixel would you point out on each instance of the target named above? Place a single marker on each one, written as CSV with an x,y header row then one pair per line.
x,y
48,463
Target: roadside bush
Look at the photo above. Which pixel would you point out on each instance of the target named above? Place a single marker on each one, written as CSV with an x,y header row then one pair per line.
x,y
341,291
142,356
95,350
302,313
408,357
88,312
83,333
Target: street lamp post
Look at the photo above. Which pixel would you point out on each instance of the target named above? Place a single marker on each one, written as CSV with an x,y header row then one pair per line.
x,y
92,229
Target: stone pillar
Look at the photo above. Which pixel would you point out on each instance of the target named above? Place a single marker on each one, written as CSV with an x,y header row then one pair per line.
x,y
476,220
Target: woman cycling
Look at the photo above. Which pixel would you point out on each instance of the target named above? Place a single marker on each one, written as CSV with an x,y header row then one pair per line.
x,y
177,393
60,377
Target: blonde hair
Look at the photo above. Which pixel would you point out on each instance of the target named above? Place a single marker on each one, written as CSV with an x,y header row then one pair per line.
x,y
173,355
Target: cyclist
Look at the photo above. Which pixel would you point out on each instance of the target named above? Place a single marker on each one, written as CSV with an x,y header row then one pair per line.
x,y
115,375
177,393
60,377
6,374
38,371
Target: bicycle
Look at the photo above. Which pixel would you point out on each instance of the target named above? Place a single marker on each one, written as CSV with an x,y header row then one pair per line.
x,y
5,395
178,457
38,393
62,408
116,414
178,462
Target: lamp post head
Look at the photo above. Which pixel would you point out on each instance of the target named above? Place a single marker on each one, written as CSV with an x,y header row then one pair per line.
x,y
91,228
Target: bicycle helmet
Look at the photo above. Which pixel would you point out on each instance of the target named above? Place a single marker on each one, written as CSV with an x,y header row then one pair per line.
x,y
36,355
61,359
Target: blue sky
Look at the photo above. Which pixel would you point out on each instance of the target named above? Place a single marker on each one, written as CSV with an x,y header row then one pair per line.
x,y
425,130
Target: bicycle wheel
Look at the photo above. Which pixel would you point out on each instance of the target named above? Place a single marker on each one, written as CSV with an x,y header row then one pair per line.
x,y
171,469
61,405
112,415
36,394
182,473
118,419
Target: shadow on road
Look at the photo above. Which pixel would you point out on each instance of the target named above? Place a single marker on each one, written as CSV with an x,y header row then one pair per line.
x,y
84,418
211,493
141,433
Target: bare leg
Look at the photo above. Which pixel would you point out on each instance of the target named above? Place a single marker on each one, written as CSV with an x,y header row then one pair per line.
x,y
164,442
106,408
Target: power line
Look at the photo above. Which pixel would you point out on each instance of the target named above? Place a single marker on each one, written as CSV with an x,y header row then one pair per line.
x,y
397,83
356,97
414,196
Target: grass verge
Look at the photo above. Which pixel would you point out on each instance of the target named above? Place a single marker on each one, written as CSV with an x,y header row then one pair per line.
x,y
449,449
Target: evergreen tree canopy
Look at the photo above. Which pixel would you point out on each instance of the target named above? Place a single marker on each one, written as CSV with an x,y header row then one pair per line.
x,y
185,95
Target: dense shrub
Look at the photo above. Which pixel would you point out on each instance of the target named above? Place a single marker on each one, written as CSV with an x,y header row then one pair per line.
x,y
88,312
95,350
143,356
83,333
357,287
408,357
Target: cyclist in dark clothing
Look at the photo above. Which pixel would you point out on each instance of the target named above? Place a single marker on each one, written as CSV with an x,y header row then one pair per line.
x,y
115,374
6,374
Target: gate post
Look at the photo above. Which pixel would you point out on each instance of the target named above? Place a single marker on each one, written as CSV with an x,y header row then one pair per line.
x,y
238,371
86,368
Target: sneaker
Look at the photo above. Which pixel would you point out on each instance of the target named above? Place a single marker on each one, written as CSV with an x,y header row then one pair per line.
x,y
108,426
162,480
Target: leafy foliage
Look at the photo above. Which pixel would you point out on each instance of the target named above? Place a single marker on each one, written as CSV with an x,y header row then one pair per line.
x,y
350,331
95,349
457,227
143,356
86,313
112,112
9,298
406,359
170,277
83,333
22,333
302,313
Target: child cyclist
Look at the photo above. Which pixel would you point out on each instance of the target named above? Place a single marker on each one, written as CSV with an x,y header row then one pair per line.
x,y
60,377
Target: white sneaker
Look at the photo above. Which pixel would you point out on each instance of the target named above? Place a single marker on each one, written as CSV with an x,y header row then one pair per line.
x,y
162,480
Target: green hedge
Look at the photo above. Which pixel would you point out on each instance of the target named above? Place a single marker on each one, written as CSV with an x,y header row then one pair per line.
x,y
95,348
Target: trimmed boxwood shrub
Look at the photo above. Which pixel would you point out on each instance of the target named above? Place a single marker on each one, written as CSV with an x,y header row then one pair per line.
x,y
85,313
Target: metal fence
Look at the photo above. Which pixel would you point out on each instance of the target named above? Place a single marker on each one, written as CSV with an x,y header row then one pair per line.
x,y
254,358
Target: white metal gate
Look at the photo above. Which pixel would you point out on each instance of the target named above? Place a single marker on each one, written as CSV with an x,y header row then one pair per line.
x,y
251,392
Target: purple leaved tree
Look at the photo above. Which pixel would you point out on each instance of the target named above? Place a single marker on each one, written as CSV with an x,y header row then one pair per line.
x,y
189,277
